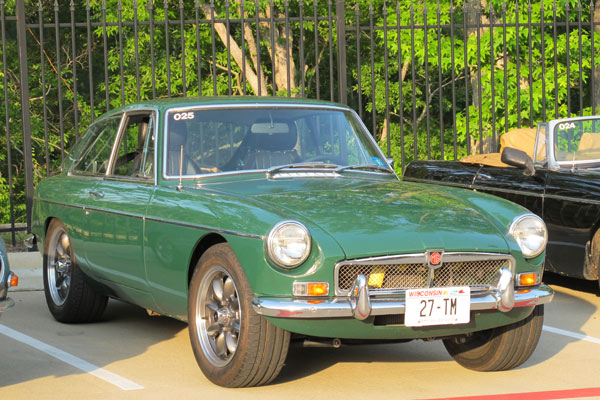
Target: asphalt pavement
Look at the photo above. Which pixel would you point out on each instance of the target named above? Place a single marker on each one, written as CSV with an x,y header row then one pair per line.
x,y
130,355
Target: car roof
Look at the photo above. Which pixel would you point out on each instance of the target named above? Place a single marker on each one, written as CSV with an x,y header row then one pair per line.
x,y
167,103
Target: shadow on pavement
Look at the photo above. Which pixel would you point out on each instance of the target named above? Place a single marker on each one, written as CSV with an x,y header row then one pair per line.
x,y
581,285
124,332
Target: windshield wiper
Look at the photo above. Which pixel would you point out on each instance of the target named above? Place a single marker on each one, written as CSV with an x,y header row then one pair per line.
x,y
370,167
307,165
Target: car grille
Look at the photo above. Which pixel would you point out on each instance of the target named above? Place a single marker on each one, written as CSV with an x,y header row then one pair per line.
x,y
387,275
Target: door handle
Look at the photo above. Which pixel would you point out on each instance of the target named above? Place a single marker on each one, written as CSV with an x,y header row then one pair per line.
x,y
96,194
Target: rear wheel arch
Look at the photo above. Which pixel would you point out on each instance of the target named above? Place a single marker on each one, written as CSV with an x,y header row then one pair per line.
x,y
203,244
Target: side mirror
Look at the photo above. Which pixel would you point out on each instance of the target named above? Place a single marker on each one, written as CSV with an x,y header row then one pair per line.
x,y
519,159
390,161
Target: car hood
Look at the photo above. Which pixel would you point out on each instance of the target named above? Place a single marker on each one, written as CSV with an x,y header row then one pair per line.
x,y
369,217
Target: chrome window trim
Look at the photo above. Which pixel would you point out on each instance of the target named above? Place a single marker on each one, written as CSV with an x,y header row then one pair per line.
x,y
74,172
124,116
541,125
417,258
255,105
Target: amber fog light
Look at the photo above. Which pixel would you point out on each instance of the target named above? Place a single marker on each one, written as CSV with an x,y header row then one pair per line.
x,y
310,289
528,279
13,280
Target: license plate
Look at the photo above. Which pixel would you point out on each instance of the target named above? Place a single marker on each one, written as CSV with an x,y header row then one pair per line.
x,y
438,306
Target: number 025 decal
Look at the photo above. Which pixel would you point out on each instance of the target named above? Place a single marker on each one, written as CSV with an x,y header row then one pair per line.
x,y
183,115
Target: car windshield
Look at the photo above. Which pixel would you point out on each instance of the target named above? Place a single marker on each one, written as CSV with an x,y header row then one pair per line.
x,y
577,141
204,141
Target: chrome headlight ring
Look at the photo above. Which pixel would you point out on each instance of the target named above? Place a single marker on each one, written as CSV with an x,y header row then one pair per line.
x,y
531,234
288,244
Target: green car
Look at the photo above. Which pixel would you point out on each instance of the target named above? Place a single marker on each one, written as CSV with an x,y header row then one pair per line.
x,y
264,220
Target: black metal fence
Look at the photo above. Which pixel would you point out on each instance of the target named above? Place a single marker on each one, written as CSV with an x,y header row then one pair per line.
x,y
432,79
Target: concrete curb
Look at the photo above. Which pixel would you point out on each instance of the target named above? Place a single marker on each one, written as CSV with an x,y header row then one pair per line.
x,y
28,266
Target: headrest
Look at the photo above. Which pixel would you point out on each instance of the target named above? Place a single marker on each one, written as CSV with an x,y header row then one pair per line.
x,y
590,141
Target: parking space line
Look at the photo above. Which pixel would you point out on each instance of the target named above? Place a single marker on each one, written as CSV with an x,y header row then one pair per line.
x,y
571,334
70,359
547,395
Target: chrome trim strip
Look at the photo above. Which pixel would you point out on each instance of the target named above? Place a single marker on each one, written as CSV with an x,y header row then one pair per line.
x,y
418,258
432,182
501,190
204,228
183,224
341,307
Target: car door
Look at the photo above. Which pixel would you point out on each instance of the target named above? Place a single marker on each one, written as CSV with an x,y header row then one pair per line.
x,y
87,165
119,203
571,213
512,184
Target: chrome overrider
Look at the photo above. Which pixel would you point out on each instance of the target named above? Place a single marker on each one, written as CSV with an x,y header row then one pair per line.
x,y
360,305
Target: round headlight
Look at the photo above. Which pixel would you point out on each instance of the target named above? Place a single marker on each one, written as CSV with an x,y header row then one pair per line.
x,y
288,244
530,233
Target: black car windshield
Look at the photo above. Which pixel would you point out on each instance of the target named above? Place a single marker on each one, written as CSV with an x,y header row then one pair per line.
x,y
204,141
577,141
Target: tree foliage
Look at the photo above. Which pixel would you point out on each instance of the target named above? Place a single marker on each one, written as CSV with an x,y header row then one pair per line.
x,y
431,79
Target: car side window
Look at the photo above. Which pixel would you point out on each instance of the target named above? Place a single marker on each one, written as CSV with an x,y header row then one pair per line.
x,y
135,156
92,155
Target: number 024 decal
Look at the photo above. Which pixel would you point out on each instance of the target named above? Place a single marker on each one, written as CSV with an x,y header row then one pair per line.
x,y
566,125
183,115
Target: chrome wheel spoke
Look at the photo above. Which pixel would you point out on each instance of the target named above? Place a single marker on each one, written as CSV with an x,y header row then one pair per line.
x,y
231,342
228,289
214,329
217,288
59,279
60,250
235,326
64,286
220,345
212,307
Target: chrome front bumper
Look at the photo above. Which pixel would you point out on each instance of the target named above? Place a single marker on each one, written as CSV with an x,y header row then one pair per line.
x,y
361,306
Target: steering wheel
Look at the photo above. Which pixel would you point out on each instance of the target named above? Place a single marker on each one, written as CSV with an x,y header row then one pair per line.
x,y
327,157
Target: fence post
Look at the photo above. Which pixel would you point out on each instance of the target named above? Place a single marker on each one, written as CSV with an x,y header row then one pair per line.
x,y
340,16
25,107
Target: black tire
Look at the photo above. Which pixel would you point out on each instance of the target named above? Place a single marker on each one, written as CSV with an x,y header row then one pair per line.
x,y
252,351
69,297
501,348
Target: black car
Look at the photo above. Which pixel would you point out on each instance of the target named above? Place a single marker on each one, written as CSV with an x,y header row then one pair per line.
x,y
557,176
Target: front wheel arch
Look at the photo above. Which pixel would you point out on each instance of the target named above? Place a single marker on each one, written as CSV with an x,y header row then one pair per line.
x,y
202,246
